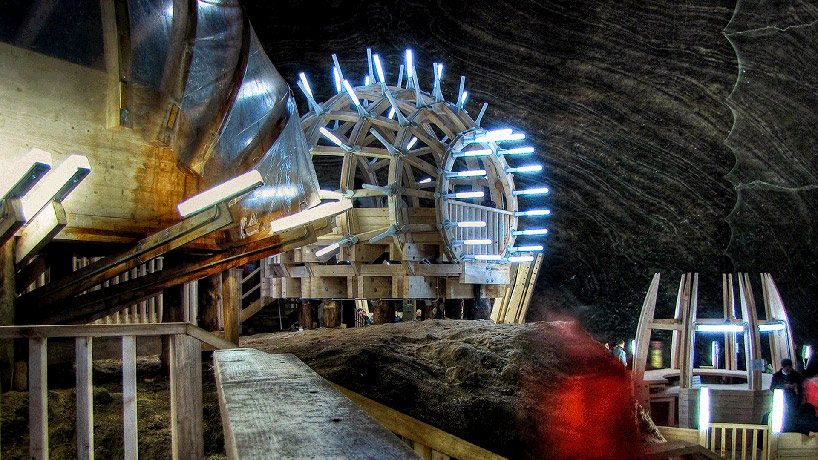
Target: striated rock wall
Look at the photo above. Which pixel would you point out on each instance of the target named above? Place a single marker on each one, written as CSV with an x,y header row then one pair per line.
x,y
627,102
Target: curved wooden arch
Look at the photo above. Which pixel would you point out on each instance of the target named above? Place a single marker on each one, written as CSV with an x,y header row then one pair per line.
x,y
439,127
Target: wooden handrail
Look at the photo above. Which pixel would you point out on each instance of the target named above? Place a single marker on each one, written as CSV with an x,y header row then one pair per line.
x,y
252,273
433,439
185,383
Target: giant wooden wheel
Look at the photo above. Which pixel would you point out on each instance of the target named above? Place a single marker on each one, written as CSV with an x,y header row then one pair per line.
x,y
402,149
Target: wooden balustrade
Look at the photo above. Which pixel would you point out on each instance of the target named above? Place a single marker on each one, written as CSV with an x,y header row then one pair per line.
x,y
185,383
735,440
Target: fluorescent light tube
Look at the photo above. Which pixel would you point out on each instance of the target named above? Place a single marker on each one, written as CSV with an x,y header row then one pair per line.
x,y
304,81
525,169
516,151
532,231
412,142
719,328
379,68
471,224
532,191
471,173
520,259
533,212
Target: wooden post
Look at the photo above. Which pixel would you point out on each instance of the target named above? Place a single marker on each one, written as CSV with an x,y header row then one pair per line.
x,y
38,398
190,302
129,424
730,358
689,327
7,295
305,316
481,307
85,399
384,312
187,432
211,302
752,341
332,313
643,330
231,304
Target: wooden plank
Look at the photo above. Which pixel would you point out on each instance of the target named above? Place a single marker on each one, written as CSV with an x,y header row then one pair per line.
x,y
186,410
155,245
231,304
485,273
533,273
85,399
276,407
643,329
374,287
421,432
39,231
457,290
91,330
129,419
38,398
256,307
415,287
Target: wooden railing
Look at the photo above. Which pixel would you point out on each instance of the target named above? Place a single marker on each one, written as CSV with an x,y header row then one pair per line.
x,y
735,440
497,229
185,383
429,443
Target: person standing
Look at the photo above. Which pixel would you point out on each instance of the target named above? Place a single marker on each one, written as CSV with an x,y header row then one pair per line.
x,y
620,353
789,380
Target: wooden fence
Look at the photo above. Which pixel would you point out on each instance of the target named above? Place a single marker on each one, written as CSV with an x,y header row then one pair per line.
x,y
185,383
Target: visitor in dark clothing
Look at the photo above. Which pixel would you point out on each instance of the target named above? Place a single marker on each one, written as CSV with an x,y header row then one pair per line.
x,y
804,422
619,352
789,380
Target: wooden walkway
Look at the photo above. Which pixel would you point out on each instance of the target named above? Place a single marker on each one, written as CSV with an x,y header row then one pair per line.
x,y
276,407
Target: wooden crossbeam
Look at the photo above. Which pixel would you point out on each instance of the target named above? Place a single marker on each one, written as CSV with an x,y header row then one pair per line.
x,y
157,244
39,231
99,303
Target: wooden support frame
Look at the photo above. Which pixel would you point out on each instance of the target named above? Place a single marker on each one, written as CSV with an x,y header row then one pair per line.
x,y
129,415
186,410
38,398
85,398
155,245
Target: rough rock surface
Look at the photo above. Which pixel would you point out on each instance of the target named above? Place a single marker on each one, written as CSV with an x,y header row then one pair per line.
x,y
627,103
541,390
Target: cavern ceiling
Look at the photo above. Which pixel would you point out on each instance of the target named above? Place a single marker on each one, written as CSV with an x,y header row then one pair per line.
x,y
677,136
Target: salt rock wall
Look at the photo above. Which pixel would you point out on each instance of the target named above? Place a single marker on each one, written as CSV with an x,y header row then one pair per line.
x,y
658,160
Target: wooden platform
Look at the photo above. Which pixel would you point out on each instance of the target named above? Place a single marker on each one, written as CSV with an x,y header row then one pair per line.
x,y
275,407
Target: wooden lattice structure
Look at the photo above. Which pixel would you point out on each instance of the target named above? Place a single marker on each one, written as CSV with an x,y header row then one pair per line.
x,y
436,211
744,398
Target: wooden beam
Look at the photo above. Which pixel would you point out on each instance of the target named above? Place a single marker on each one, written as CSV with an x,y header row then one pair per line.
x,y
155,245
11,219
39,231
85,399
421,432
129,418
231,304
276,407
485,273
186,410
38,398
100,303
643,329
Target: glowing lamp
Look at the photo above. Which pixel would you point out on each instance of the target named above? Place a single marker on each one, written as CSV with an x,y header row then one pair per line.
x,y
225,191
476,242
488,257
704,409
532,191
333,138
533,212
777,417
425,180
464,195
719,328
410,65
412,142
351,93
525,169
379,68
529,248
470,224
470,173
303,77
472,153
532,231
521,259
336,74
772,326
463,98
516,151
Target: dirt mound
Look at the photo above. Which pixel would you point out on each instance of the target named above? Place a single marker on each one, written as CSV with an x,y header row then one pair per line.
x,y
537,390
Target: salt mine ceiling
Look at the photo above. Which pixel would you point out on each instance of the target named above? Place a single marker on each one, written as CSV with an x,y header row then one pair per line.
x,y
677,136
